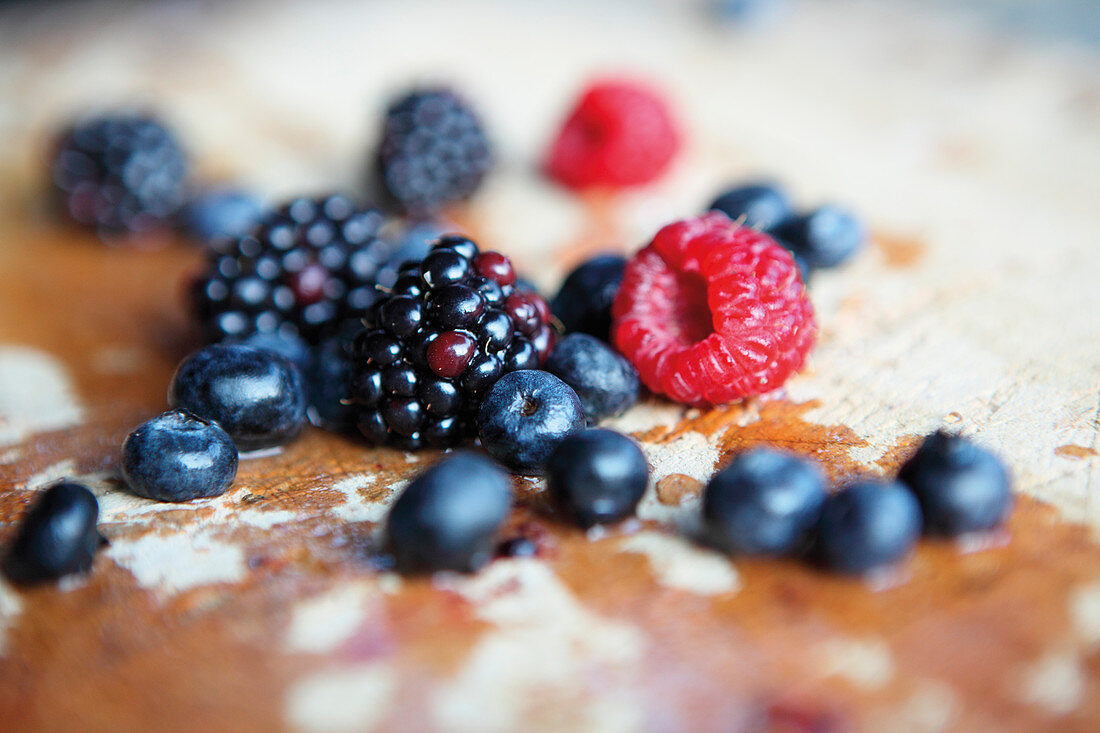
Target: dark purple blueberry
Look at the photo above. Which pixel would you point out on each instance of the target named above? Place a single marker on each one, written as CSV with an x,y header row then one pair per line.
x,y
56,537
825,237
178,457
597,476
756,205
765,502
524,416
867,525
584,301
258,397
606,383
449,516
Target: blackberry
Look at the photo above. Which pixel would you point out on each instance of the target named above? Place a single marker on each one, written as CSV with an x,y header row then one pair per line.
x,y
433,151
450,326
122,173
305,269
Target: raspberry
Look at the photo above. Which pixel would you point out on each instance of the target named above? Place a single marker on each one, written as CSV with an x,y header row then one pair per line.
x,y
712,312
446,331
620,134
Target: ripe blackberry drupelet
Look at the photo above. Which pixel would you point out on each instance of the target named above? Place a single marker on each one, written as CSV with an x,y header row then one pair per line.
x,y
452,324
433,151
122,173
306,268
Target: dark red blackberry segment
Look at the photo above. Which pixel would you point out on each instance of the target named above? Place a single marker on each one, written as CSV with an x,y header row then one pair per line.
x,y
122,173
433,151
452,325
306,268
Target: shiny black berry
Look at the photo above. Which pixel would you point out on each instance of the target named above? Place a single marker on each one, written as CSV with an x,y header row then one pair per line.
x,y
868,525
306,268
756,205
56,537
606,383
584,301
433,151
597,476
121,174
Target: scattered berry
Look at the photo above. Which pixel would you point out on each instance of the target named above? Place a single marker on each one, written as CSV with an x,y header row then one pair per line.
x,y
868,525
605,382
451,325
524,416
620,134
961,486
433,151
328,388
306,269
597,476
448,517
762,205
584,301
122,173
178,457
712,312
57,536
825,237
255,396
765,502
221,214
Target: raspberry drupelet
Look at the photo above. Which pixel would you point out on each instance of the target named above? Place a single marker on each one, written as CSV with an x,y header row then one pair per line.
x,y
711,312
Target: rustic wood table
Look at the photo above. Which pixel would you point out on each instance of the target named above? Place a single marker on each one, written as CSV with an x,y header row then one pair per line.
x,y
975,158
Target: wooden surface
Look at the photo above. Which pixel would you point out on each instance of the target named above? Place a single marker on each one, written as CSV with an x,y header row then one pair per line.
x,y
973,157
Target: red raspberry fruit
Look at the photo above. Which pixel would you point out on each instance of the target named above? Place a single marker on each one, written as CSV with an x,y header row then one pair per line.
x,y
620,134
712,312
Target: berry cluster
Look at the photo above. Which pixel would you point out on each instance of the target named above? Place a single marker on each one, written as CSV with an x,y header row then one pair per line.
x,y
450,326
120,174
305,269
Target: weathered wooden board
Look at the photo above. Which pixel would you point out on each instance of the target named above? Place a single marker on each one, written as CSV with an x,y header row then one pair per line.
x,y
975,158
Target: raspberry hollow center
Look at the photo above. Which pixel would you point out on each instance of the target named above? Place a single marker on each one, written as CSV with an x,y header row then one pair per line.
x,y
690,319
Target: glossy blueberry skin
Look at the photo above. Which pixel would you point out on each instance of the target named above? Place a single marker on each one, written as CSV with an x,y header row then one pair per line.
x,y
524,416
825,237
606,383
448,517
178,457
56,537
584,301
221,214
258,397
961,486
763,205
597,476
868,525
765,502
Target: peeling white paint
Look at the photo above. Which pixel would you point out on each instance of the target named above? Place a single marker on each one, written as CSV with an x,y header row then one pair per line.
x,y
173,563
1084,612
692,454
321,624
543,649
866,663
347,699
677,563
357,509
1055,682
11,605
36,395
53,473
265,519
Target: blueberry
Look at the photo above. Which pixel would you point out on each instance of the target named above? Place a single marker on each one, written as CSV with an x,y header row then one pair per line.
x,y
525,415
449,515
605,382
256,396
178,457
597,476
327,386
221,214
289,345
961,486
825,237
867,525
765,502
57,536
584,301
763,205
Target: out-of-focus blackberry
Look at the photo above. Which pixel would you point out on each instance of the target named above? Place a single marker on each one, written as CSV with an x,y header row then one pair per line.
x,y
306,268
450,326
433,151
122,173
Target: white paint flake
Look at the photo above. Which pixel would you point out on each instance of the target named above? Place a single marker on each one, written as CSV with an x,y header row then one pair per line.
x,y
1055,682
346,699
321,624
174,563
1084,611
11,605
357,509
677,563
36,395
866,663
